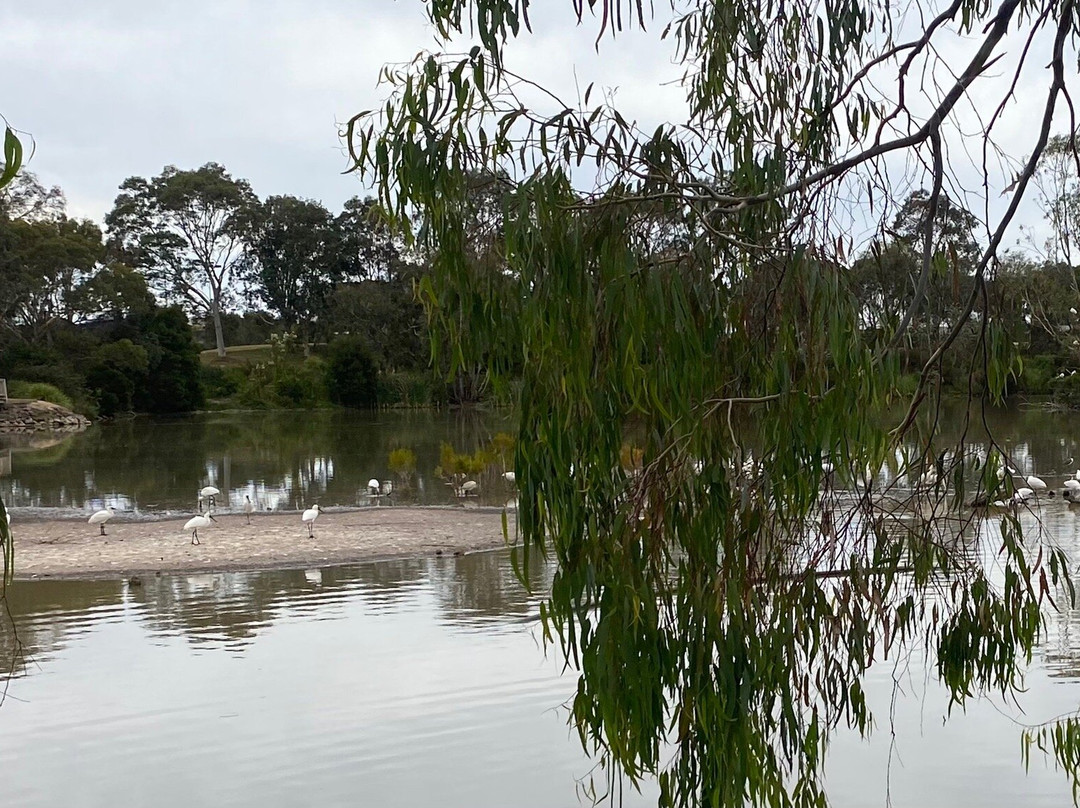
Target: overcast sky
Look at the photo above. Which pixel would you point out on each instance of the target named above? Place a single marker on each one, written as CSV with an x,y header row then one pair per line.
x,y
111,89
114,88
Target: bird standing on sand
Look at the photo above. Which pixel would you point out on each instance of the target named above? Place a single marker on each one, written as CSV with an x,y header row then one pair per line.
x,y
208,493
101,517
249,508
309,516
194,523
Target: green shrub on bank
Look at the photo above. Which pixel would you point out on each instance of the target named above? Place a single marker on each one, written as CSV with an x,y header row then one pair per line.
x,y
284,384
222,382
117,370
352,377
39,391
1038,375
406,389
1067,390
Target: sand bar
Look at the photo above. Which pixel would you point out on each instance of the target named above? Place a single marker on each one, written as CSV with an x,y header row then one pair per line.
x,y
68,548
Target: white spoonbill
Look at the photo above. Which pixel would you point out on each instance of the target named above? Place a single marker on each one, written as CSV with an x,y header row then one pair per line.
x,y
1035,483
208,493
101,517
510,477
308,517
373,487
194,523
1072,485
249,508
1023,494
468,488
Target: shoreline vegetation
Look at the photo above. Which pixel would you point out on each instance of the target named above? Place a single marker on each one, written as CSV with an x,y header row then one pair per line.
x,y
72,549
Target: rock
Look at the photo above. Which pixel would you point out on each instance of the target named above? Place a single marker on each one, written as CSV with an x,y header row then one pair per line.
x,y
23,415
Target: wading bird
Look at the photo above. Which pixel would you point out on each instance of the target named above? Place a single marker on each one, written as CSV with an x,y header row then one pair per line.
x,y
309,516
194,523
249,508
208,493
101,517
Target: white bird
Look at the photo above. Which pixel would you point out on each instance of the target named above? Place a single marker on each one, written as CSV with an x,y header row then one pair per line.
x,y
373,487
511,477
1035,483
1023,494
249,508
100,517
1078,474
827,467
194,523
309,516
1072,485
209,492
468,487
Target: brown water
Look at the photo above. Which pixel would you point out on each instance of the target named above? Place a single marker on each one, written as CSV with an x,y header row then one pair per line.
x,y
413,682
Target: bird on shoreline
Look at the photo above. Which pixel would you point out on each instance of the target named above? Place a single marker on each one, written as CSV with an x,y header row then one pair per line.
x,y
249,508
101,517
208,493
194,523
309,516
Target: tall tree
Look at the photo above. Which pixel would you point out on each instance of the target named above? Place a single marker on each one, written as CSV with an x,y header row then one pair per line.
x,y
185,231
719,601
296,252
43,263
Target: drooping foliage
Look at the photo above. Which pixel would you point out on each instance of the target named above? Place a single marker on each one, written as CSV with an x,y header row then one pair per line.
x,y
685,284
13,157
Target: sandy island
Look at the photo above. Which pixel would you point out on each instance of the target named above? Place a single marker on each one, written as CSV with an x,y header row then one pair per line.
x,y
68,548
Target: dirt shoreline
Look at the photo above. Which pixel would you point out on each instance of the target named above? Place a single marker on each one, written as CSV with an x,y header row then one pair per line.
x,y
68,548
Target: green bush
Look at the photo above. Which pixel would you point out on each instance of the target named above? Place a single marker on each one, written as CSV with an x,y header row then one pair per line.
x,y
405,389
221,382
117,370
40,391
352,376
1038,375
1067,390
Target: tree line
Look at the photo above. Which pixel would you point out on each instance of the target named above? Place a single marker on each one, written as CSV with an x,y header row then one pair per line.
x,y
190,253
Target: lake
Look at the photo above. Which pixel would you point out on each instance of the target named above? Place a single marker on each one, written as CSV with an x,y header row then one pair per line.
x,y
282,460
396,683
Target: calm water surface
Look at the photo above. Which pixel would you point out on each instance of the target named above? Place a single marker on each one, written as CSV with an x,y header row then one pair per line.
x,y
282,460
400,683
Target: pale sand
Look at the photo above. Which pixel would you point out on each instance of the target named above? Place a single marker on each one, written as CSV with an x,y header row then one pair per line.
x,y
64,548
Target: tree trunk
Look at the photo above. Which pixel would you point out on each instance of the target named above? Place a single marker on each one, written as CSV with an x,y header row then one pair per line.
x,y
219,335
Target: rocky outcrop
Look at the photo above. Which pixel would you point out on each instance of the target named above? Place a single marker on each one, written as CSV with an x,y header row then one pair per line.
x,y
24,415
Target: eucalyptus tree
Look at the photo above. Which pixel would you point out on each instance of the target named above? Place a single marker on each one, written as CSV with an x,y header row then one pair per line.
x,y
720,612
296,260
185,230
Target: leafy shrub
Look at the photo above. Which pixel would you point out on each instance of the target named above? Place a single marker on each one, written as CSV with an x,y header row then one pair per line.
x,y
1038,375
352,376
39,391
173,383
405,389
402,462
117,370
1067,390
221,382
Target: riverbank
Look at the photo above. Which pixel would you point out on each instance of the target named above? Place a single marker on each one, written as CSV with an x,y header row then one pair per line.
x,y
28,415
66,548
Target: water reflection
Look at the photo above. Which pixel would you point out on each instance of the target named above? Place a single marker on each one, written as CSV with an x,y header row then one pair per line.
x,y
281,460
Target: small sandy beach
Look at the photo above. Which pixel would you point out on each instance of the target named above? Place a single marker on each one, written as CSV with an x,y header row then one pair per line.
x,y
67,548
